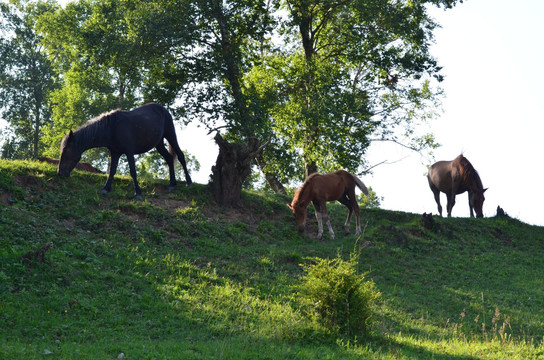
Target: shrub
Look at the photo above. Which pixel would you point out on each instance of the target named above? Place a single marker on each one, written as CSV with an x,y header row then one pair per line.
x,y
337,297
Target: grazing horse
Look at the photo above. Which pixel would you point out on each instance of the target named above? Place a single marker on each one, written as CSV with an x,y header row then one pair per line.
x,y
318,189
125,132
453,178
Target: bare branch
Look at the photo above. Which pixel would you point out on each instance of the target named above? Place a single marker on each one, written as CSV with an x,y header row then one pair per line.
x,y
217,129
264,145
398,143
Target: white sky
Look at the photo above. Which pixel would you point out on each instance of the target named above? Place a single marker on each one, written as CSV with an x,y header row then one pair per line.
x,y
492,55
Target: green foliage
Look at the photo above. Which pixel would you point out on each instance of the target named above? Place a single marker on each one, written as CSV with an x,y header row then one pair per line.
x,y
350,73
111,57
337,297
27,79
152,165
370,201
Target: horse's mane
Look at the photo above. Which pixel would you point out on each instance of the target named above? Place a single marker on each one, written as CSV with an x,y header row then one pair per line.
x,y
468,174
302,190
88,131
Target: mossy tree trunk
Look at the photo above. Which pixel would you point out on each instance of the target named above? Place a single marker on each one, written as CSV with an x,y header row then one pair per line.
x,y
232,167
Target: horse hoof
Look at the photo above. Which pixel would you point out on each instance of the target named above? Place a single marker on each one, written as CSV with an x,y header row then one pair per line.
x,y
103,191
171,188
138,198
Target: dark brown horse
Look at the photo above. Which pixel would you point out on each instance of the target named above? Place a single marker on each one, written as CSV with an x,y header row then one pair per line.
x,y
318,189
125,132
453,178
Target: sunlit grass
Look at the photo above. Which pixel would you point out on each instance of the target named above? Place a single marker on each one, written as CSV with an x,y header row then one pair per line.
x,y
177,277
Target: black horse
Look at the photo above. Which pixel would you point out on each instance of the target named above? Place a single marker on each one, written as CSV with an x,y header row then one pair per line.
x,y
125,132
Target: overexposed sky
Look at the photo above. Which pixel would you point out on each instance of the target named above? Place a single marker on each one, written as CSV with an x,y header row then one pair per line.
x,y
492,56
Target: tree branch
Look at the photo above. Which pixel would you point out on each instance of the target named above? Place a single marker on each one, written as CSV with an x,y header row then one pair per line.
x,y
217,129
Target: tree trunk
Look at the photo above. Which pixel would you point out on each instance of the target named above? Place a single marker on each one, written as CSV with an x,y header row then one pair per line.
x,y
232,69
36,135
310,168
232,167
271,179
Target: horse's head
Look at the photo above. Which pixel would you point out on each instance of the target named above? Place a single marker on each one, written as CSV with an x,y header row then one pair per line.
x,y
69,155
477,202
300,215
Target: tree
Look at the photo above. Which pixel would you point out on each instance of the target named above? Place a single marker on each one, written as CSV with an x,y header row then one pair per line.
x,y
354,71
114,54
27,79
326,78
231,38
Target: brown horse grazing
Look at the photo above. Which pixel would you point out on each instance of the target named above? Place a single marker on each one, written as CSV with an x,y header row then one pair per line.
x,y
318,189
453,178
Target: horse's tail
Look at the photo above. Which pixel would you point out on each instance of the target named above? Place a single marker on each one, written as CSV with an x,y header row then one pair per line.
x,y
173,153
360,184
170,128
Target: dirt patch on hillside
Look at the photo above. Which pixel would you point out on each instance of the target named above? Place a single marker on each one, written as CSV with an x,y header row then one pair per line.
x,y
28,182
249,213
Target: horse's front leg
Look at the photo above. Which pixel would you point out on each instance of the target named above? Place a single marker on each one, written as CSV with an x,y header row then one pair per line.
x,y
132,168
327,220
470,205
114,161
319,218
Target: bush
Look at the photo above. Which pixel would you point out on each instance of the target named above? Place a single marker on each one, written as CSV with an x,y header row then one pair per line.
x,y
370,201
337,297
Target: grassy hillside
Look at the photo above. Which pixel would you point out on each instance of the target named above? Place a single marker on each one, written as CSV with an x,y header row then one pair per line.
x,y
175,277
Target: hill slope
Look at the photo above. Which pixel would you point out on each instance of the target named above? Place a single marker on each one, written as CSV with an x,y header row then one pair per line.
x,y
175,277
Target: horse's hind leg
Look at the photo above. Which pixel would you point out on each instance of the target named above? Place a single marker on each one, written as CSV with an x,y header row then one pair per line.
x,y
353,208
436,193
347,203
357,218
170,162
174,146
132,168
451,202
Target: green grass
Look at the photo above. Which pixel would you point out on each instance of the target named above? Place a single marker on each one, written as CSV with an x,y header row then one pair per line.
x,y
176,277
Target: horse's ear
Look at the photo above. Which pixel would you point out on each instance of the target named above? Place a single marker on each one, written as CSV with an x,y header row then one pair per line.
x,y
485,190
289,206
